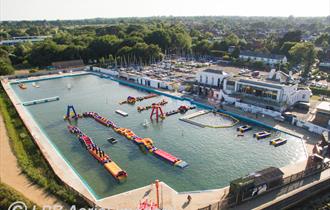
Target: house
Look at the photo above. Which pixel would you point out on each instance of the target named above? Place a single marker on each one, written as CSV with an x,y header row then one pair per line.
x,y
270,59
325,65
22,39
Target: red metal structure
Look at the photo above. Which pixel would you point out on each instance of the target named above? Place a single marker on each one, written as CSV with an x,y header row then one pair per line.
x,y
157,110
157,192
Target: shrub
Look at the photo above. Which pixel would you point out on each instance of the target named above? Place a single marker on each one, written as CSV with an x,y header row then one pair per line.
x,y
320,91
8,196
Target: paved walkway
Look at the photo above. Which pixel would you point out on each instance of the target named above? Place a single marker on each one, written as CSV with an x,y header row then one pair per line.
x,y
11,174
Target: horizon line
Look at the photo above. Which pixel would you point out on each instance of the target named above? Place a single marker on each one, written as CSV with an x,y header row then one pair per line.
x,y
162,16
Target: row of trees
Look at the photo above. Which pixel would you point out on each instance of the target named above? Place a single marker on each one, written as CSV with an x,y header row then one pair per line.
x,y
142,41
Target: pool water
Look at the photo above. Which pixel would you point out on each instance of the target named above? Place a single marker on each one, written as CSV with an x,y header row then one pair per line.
x,y
214,119
215,156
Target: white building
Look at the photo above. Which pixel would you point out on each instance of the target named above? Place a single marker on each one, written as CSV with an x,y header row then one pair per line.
x,y
270,59
324,65
270,93
22,39
211,77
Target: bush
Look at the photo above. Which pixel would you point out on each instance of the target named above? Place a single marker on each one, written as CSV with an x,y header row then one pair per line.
x,y
33,71
29,157
320,91
8,196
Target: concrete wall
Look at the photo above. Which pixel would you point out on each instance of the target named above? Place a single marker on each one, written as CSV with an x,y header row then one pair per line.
x,y
255,109
309,126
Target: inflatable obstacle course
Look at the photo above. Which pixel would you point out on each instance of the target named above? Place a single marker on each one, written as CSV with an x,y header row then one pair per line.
x,y
182,110
133,100
71,113
147,143
99,154
157,110
142,108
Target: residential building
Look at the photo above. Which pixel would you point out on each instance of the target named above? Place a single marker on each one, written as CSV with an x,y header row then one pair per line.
x,y
22,39
270,59
325,65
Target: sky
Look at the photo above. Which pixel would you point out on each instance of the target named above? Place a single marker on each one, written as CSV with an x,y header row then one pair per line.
x,y
83,9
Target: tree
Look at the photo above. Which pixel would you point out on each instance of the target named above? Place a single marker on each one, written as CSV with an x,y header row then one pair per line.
x,y
232,39
222,46
103,46
44,53
286,48
202,47
303,53
291,36
181,41
5,68
160,38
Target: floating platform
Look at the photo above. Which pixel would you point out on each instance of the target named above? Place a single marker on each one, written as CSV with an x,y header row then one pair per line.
x,y
40,101
278,142
122,113
244,128
261,135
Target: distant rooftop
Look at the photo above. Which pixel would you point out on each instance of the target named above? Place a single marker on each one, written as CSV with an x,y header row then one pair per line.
x,y
324,107
261,55
214,71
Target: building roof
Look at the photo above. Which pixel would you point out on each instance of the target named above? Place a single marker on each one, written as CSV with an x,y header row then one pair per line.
x,y
267,175
324,107
214,71
262,55
270,84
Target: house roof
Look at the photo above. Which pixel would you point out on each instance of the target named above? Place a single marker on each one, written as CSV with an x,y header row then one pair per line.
x,y
214,71
325,61
262,55
324,107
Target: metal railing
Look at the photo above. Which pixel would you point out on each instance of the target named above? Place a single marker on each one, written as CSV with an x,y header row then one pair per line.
x,y
288,184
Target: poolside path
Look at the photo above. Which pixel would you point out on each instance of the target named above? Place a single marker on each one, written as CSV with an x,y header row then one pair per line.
x,y
11,174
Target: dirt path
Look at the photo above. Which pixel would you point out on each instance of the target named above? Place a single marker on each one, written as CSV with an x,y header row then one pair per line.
x,y
11,174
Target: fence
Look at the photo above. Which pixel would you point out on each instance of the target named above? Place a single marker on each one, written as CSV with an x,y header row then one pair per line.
x,y
288,184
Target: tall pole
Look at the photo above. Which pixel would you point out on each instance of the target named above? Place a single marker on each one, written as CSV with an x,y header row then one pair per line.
x,y
157,192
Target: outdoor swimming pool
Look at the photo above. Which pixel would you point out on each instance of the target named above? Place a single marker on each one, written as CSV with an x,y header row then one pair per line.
x,y
215,156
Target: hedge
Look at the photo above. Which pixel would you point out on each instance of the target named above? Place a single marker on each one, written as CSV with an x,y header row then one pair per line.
x,y
9,195
29,157
320,91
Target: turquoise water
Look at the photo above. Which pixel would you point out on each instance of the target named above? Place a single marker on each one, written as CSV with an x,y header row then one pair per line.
x,y
216,156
